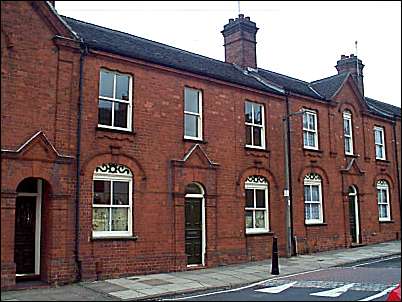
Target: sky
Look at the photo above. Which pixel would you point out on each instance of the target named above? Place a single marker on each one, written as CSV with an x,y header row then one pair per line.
x,y
301,39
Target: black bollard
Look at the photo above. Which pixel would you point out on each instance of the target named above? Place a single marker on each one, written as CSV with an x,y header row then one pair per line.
x,y
275,265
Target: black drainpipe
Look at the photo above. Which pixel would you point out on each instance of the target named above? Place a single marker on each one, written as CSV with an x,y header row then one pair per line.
x,y
397,162
290,172
83,52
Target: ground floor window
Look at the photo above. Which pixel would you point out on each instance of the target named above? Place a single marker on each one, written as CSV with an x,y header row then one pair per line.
x,y
384,213
256,209
112,201
313,199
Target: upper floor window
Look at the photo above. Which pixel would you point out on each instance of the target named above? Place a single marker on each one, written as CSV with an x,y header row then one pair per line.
x,y
255,130
192,113
310,130
384,213
313,199
115,100
347,132
256,210
379,143
112,201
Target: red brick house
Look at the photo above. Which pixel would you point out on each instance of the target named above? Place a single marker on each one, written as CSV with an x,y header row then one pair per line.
x,y
137,157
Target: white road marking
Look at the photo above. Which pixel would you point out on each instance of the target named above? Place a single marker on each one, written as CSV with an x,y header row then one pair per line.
x,y
384,292
276,289
381,260
244,287
333,293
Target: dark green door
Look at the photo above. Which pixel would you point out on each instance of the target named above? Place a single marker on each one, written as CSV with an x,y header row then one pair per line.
x,y
193,230
25,221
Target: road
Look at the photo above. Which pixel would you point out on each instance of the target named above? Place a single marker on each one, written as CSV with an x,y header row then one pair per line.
x,y
359,281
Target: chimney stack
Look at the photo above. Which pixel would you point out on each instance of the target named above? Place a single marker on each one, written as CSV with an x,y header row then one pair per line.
x,y
353,65
240,41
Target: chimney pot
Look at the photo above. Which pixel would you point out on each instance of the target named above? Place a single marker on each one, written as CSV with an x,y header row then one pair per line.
x,y
240,42
354,66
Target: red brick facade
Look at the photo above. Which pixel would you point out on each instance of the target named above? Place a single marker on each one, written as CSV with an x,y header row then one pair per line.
x,y
40,100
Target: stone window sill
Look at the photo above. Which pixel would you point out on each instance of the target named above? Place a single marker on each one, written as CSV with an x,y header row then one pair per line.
x,y
248,148
197,141
315,224
386,221
115,238
269,233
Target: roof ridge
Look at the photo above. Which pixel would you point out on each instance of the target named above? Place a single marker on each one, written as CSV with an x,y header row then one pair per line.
x,y
148,40
327,78
388,104
305,82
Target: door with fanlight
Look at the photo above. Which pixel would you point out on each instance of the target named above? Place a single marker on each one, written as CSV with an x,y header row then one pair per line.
x,y
354,215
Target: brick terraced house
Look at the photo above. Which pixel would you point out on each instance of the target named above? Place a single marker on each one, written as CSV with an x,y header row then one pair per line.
x,y
121,155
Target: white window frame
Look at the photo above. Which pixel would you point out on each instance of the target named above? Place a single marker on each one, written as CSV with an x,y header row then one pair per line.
x,y
382,185
252,125
314,131
106,176
115,100
198,115
382,144
313,182
253,185
347,117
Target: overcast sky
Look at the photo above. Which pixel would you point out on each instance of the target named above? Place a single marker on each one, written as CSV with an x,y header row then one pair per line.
x,y
296,38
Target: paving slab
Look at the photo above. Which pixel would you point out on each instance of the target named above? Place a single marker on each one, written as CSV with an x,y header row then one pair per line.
x,y
140,287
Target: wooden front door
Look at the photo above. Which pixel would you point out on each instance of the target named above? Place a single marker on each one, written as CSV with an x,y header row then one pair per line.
x,y
25,223
193,230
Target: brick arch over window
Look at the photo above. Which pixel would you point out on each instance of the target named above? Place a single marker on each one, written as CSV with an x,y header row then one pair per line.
x,y
89,165
259,172
346,105
386,177
313,169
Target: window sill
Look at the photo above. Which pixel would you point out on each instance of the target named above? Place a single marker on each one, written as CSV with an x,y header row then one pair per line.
x,y
128,132
386,221
119,238
315,224
352,155
259,233
250,148
312,150
194,140
382,161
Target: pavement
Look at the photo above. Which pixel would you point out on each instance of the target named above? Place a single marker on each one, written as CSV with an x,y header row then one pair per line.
x,y
153,286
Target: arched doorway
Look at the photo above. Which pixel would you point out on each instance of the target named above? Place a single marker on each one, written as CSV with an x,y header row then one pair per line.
x,y
354,220
27,240
195,225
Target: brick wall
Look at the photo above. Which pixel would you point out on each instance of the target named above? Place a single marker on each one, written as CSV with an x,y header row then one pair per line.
x,y
155,153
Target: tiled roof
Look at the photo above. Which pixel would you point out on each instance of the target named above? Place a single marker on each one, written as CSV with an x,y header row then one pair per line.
x,y
328,86
101,38
105,39
292,84
383,109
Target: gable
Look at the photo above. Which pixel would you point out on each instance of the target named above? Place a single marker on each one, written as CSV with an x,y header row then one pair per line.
x,y
353,168
40,20
349,93
196,156
38,147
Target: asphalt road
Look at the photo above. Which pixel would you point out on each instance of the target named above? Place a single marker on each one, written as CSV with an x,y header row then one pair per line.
x,y
364,281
